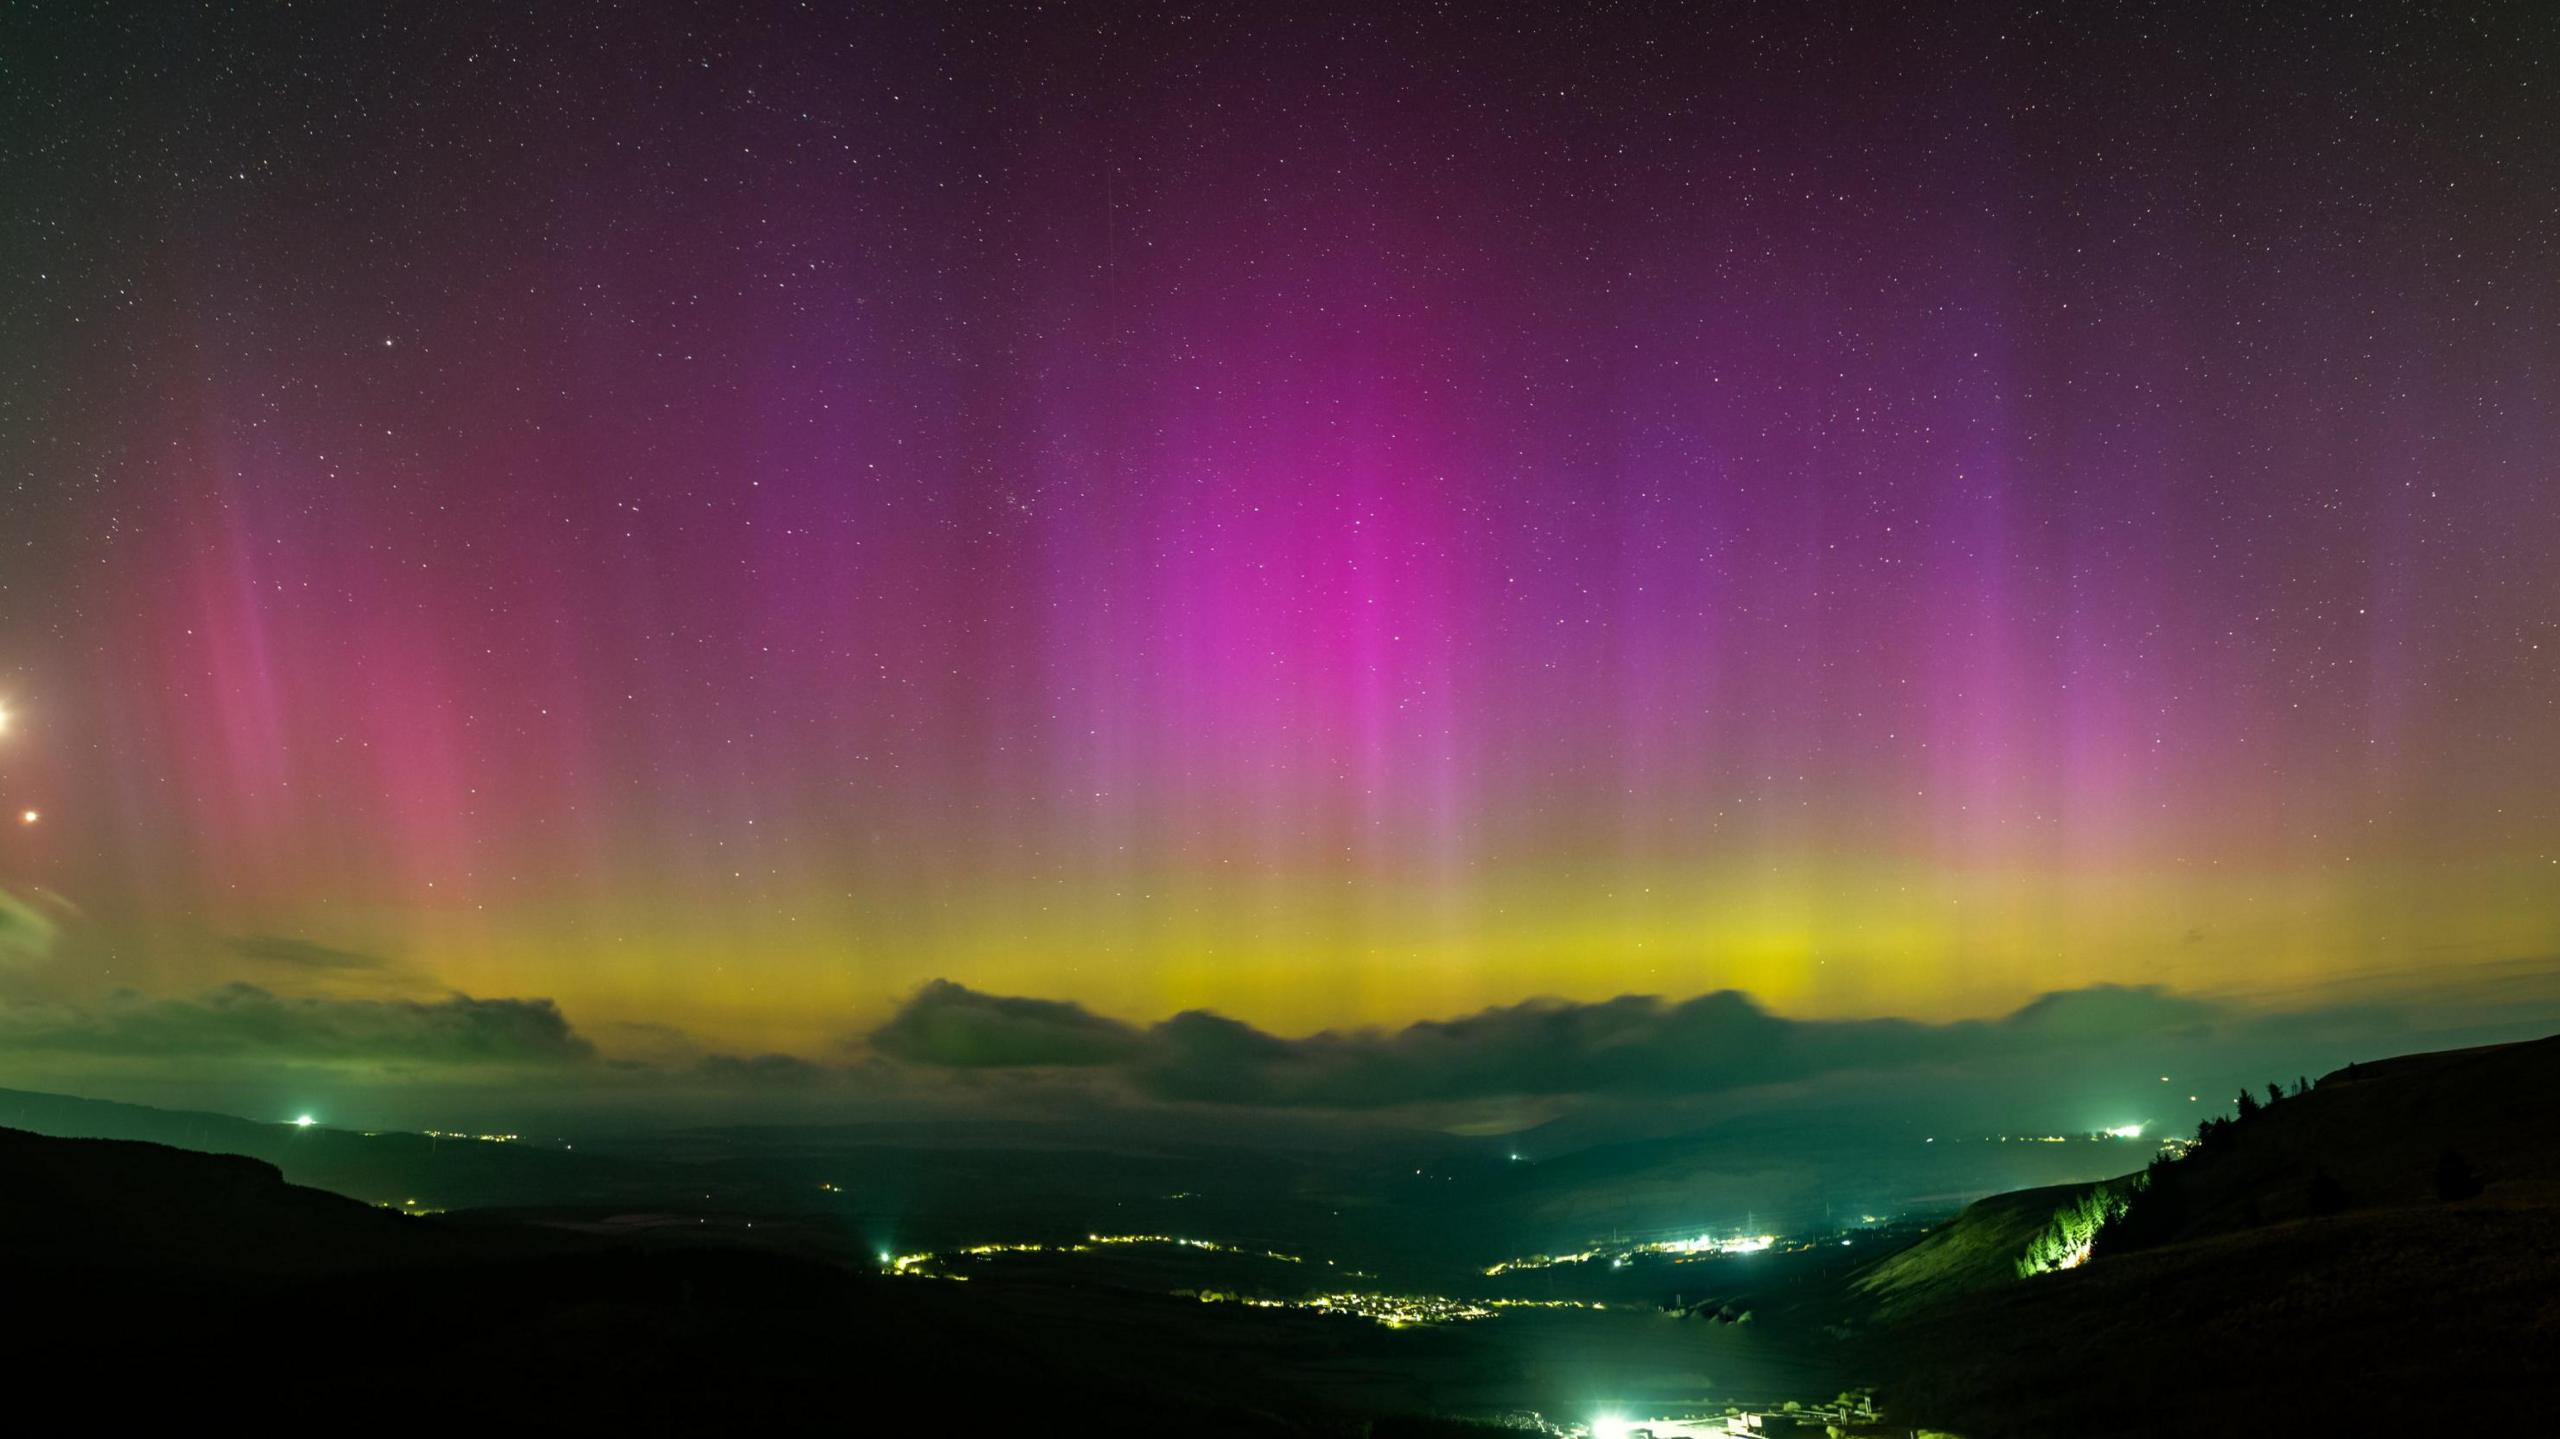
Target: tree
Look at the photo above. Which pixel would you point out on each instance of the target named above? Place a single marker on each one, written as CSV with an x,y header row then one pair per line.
x,y
2068,1239
2454,1178
2154,1210
2275,1093
2248,1106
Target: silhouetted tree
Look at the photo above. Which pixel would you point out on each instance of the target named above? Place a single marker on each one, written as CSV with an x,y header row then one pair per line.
x,y
2326,1195
2248,1108
2454,1179
2152,1214
2302,1084
2275,1093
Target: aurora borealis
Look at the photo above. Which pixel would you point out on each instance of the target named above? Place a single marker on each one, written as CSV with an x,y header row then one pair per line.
x,y
1335,517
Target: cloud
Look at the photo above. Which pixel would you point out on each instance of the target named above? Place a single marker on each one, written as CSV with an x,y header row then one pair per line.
x,y
1637,1046
951,1026
242,1020
2107,1011
1631,1045
292,953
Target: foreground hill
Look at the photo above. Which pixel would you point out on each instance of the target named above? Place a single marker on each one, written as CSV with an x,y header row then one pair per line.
x,y
2303,1272
153,1278
77,1205
1981,1248
2374,1136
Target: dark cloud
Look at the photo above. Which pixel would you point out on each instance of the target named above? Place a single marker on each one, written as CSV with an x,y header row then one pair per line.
x,y
1634,1044
2110,1011
303,954
1631,1046
955,1027
244,1020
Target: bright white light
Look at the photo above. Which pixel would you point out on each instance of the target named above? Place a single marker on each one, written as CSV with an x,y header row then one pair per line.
x,y
304,1121
2128,1131
28,816
4,719
1609,1426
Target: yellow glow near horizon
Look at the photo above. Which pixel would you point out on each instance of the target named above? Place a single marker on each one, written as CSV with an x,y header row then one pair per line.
x,y
1847,934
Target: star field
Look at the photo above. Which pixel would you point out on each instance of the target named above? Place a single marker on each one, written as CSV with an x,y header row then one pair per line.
x,y
721,516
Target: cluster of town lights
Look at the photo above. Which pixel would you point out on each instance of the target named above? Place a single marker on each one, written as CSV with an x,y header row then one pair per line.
x,y
922,1262
1703,1245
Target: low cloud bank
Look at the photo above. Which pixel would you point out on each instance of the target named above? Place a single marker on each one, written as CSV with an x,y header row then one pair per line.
x,y
952,1046
1632,1046
245,1020
952,1026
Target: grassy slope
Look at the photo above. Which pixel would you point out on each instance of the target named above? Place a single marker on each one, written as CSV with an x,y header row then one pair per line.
x,y
2379,1128
2260,1318
1977,1250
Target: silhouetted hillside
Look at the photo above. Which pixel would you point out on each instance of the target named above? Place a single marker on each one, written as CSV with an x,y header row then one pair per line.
x,y
2309,1274
84,1203
1981,1248
385,1168
163,1278
2368,1136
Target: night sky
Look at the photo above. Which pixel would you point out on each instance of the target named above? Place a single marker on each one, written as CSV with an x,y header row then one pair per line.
x,y
1334,515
